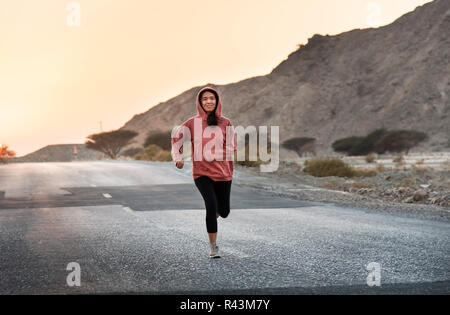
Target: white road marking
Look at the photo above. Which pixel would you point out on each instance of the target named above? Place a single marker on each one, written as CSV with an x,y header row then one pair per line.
x,y
93,185
107,196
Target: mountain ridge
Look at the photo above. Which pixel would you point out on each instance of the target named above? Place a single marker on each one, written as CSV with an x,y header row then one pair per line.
x,y
395,77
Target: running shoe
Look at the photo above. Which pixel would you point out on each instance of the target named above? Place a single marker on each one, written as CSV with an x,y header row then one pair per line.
x,y
214,251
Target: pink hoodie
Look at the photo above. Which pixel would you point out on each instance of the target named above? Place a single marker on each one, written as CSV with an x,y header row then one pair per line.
x,y
218,151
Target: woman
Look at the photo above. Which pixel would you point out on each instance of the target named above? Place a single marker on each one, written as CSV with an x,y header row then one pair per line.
x,y
212,165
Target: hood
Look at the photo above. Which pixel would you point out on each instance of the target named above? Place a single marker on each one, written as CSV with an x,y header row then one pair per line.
x,y
201,112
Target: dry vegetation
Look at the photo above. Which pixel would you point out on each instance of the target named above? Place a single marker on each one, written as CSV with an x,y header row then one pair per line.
x,y
323,167
154,152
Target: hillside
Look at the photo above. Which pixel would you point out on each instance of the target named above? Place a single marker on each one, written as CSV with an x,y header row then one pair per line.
x,y
396,77
60,153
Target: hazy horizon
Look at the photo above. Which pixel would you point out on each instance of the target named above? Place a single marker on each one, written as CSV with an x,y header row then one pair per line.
x,y
58,79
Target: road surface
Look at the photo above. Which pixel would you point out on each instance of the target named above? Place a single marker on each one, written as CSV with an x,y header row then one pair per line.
x,y
139,227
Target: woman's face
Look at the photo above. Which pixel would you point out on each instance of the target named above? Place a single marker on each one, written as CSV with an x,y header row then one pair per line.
x,y
208,101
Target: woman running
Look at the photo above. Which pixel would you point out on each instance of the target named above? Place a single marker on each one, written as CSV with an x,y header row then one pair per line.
x,y
212,158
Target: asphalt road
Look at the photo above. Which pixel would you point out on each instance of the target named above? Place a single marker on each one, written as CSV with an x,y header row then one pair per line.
x,y
139,227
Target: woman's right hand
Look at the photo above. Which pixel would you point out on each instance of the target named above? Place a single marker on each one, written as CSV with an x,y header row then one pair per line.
x,y
180,164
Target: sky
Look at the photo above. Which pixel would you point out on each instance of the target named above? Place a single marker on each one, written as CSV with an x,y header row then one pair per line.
x,y
69,69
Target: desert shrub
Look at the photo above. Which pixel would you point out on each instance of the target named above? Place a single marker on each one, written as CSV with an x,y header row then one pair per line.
x,y
163,155
360,185
161,139
398,159
133,151
399,140
332,184
406,182
334,167
361,172
154,152
322,167
380,168
370,158
344,145
419,169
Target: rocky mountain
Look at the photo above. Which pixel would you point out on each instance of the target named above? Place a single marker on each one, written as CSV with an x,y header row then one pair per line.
x,y
396,76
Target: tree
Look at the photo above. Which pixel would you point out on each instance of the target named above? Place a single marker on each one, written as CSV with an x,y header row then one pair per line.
x,y
399,140
301,145
5,153
110,143
367,145
344,145
356,145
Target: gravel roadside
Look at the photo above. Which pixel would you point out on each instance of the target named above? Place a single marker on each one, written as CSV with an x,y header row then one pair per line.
x,y
420,193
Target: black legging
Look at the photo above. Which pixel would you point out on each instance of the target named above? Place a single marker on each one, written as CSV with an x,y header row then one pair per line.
x,y
217,198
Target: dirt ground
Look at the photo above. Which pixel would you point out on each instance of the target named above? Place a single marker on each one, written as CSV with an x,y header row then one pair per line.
x,y
419,190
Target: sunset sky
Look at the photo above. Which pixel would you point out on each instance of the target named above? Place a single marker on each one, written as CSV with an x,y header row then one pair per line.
x,y
58,79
